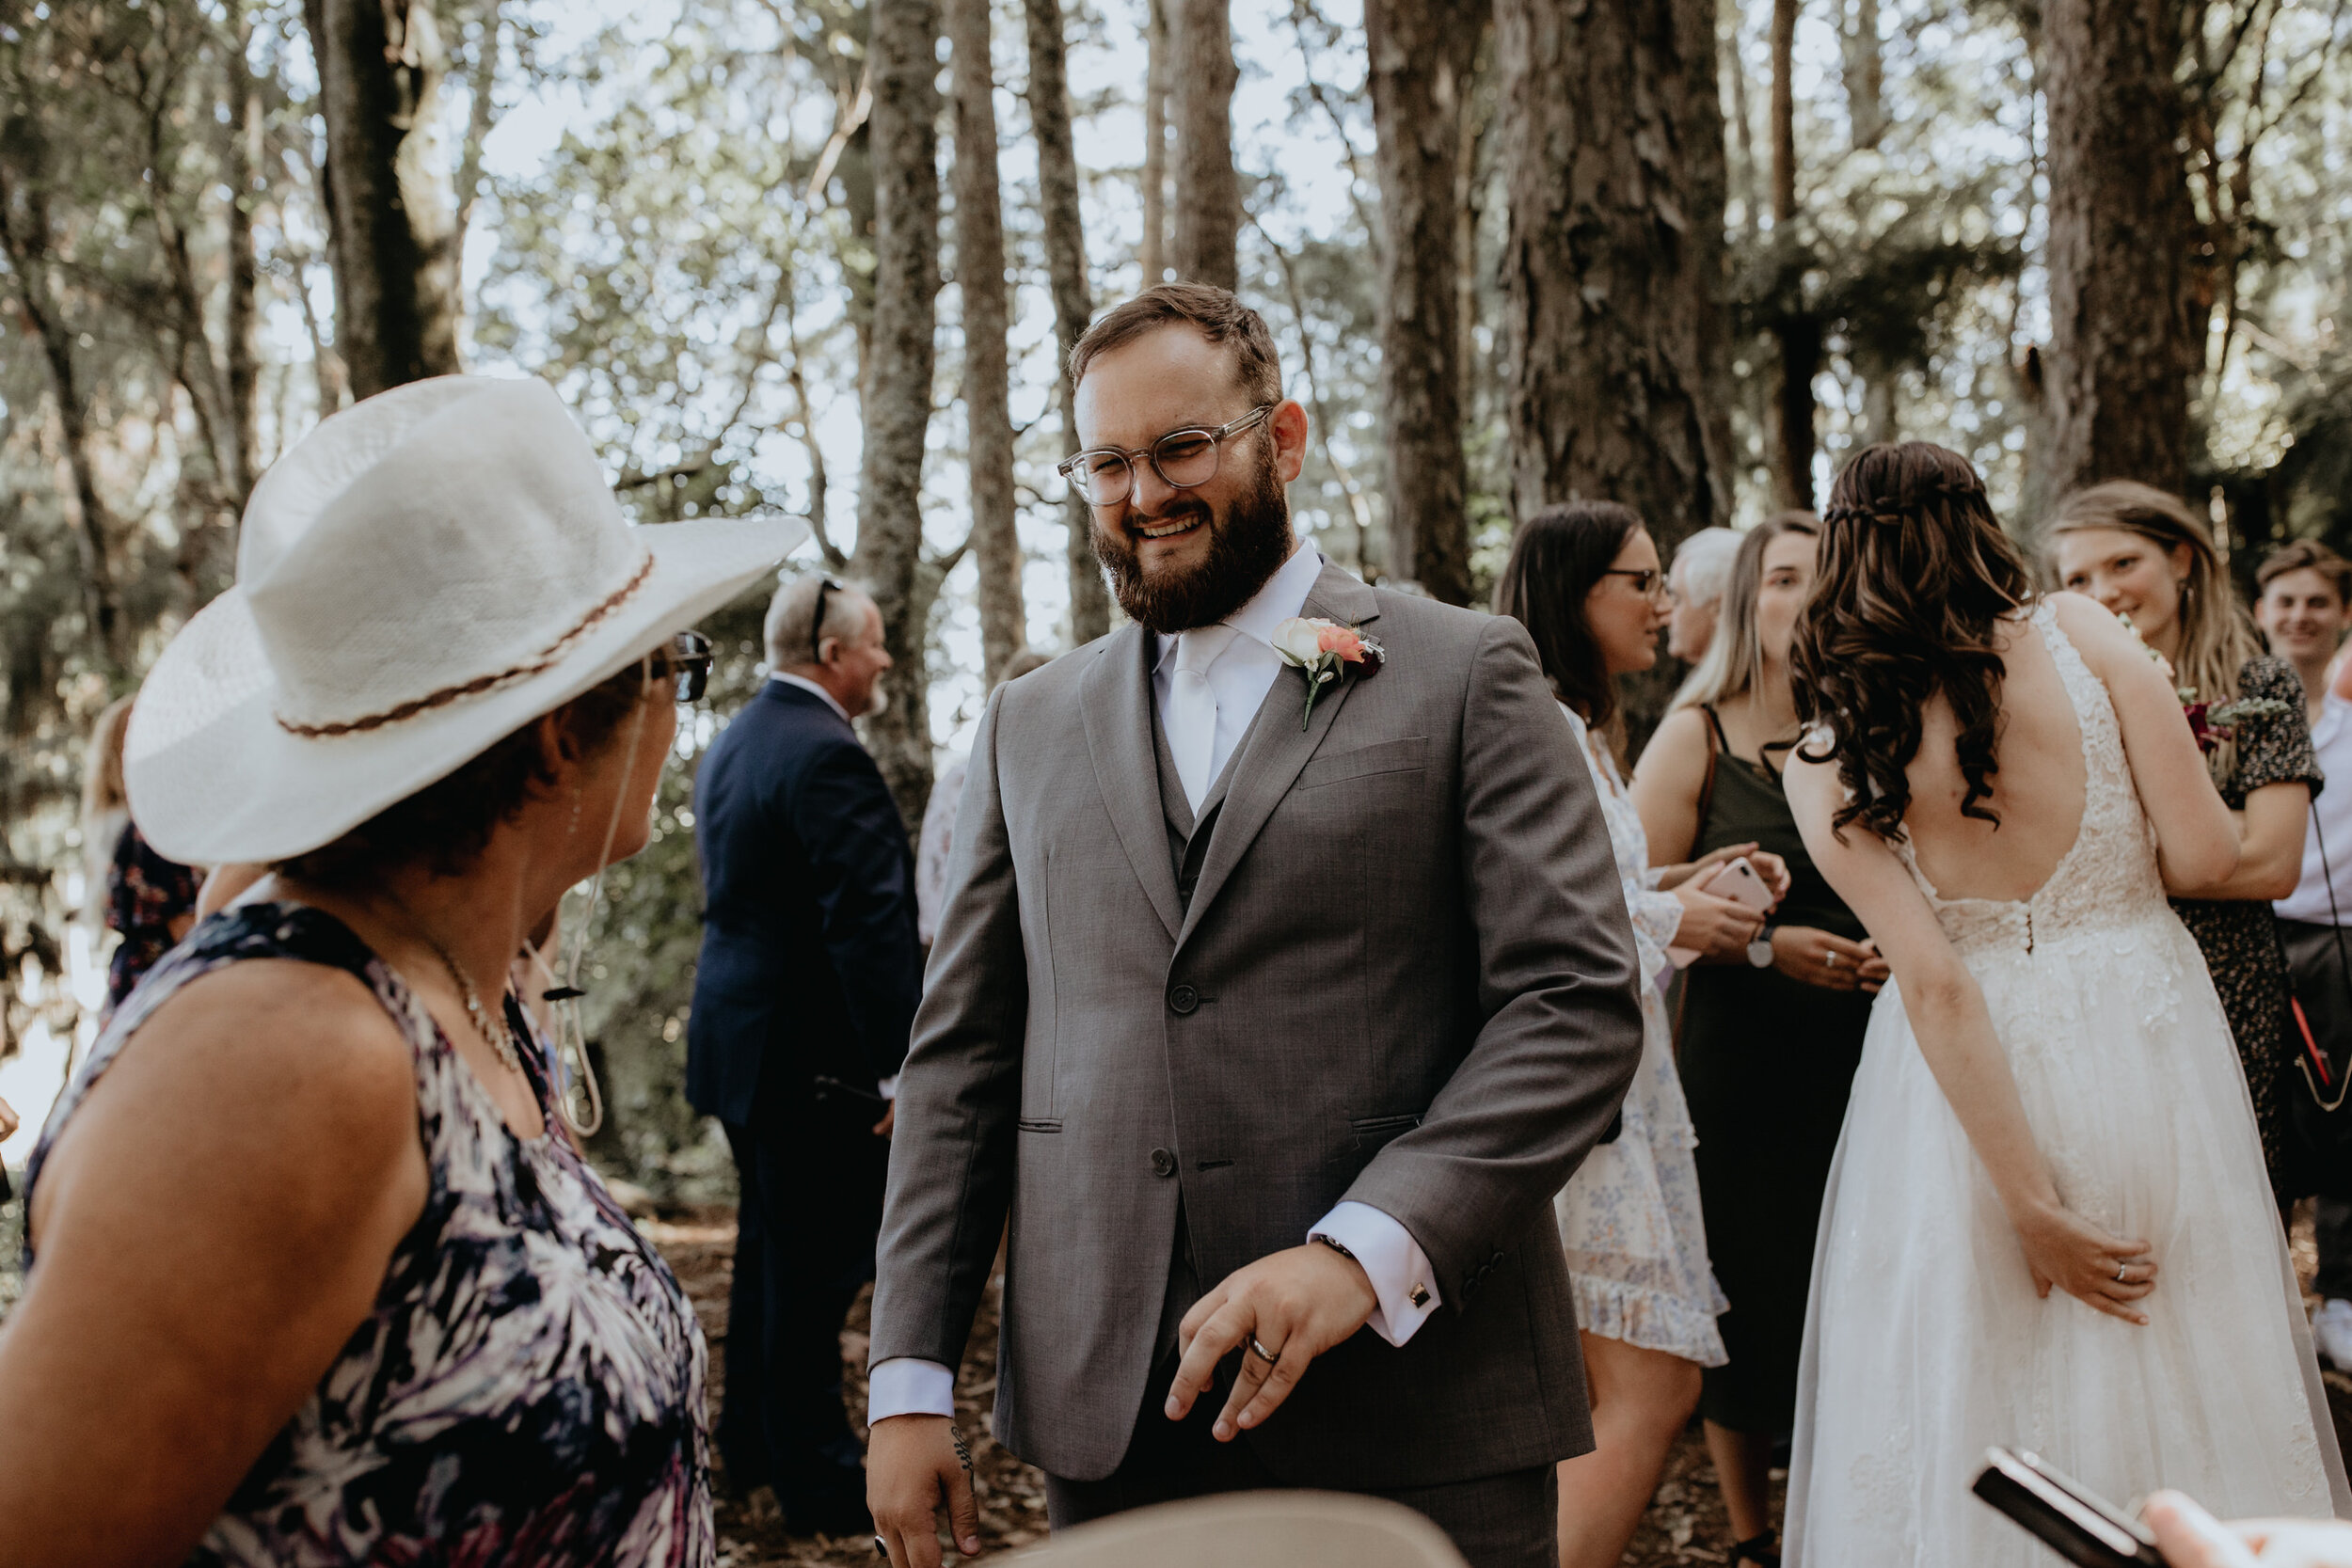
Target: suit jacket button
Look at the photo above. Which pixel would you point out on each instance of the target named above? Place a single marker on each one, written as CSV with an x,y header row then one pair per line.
x,y
1184,999
1163,1163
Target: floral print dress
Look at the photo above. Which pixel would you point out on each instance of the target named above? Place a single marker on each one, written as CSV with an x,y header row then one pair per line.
x,y
2239,937
145,894
1629,1217
529,1387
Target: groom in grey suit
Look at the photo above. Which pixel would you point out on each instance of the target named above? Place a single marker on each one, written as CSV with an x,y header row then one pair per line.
x,y
1271,1027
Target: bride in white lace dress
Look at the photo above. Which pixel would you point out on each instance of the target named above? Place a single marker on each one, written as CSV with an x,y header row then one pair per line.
x,y
2049,1225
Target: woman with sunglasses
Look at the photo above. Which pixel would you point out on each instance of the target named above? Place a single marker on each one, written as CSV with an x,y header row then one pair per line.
x,y
1584,580
315,1273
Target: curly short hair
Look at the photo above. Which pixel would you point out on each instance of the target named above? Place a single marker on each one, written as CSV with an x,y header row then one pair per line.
x,y
1218,315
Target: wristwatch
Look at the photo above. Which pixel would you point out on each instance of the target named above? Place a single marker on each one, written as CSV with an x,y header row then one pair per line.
x,y
1760,950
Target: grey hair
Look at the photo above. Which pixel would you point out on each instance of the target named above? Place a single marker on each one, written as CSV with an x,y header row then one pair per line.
x,y
792,617
1705,562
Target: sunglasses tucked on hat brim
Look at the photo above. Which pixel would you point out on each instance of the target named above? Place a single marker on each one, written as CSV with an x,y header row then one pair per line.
x,y
343,673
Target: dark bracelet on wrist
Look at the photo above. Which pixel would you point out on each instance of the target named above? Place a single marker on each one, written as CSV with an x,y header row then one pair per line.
x,y
1335,1246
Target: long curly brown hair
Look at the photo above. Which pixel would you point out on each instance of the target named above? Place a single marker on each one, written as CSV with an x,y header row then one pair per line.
x,y
1914,575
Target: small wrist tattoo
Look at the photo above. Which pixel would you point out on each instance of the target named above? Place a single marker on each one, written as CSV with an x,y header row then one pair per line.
x,y
1335,1246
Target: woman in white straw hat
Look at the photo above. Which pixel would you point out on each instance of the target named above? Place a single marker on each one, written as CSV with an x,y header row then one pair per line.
x,y
315,1274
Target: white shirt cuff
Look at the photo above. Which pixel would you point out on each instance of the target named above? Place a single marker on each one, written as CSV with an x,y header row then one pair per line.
x,y
1398,1269
888,1088
909,1385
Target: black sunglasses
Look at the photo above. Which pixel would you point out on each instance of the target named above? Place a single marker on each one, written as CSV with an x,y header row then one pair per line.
x,y
826,588
689,657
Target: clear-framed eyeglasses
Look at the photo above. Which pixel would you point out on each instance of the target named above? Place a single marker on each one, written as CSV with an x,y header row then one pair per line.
x,y
1184,459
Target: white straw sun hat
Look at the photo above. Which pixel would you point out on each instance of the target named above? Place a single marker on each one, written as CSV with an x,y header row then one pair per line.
x,y
418,577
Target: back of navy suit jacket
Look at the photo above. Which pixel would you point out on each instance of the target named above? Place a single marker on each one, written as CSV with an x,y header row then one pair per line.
x,y
809,959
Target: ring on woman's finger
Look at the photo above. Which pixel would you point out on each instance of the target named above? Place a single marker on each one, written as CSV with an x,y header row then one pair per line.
x,y
2119,1271
1829,960
1268,1356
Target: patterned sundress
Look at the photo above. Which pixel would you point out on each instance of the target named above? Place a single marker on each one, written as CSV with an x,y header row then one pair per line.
x,y
1629,1217
529,1387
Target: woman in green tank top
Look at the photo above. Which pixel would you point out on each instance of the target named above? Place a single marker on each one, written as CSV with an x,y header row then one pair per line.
x,y
1768,1047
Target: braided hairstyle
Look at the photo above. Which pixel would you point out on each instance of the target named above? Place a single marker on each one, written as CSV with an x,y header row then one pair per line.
x,y
1914,576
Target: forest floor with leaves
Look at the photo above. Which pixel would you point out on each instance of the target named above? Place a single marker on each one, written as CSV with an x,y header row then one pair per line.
x,y
1685,1523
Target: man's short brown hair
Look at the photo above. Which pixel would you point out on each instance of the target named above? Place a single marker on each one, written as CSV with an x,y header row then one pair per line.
x,y
1216,315
2307,555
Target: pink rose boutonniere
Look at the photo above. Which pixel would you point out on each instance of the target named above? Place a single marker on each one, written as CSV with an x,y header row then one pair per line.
x,y
1322,651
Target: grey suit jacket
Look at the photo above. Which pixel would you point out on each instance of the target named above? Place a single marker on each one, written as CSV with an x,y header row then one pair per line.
x,y
1405,977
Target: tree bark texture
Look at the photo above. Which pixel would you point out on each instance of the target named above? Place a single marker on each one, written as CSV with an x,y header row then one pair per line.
x,y
1797,331
1208,195
1066,270
1151,256
980,280
2123,340
27,252
391,212
247,193
1419,78
903,144
1615,364
1612,156
1865,103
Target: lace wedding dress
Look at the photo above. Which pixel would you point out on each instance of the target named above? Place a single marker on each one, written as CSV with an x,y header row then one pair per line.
x,y
1923,1340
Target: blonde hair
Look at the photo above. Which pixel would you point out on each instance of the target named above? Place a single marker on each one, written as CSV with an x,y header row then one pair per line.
x,y
1733,664
2218,635
106,804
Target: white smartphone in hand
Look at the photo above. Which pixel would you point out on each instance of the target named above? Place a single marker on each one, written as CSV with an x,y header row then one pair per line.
x,y
1739,880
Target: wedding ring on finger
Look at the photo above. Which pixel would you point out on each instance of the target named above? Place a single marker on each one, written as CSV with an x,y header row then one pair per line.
x,y
1829,960
1268,1356
2119,1271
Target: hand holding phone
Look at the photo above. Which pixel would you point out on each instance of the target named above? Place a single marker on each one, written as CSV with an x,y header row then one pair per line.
x,y
2078,1524
1736,882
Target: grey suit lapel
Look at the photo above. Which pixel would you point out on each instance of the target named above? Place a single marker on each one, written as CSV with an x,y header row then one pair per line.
x,y
1115,696
1277,747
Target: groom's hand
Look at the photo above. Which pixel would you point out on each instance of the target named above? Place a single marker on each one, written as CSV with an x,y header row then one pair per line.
x,y
914,1465
1296,1304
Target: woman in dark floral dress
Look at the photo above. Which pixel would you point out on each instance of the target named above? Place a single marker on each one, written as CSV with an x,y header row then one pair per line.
x,y
2147,557
151,901
316,1273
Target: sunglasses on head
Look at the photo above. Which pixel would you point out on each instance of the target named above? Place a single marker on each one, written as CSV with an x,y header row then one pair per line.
x,y
826,589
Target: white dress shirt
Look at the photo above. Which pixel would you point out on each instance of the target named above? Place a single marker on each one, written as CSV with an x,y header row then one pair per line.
x,y
1394,1263
2329,845
888,1088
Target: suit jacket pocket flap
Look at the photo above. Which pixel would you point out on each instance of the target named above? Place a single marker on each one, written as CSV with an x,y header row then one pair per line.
x,y
1369,1131
1388,756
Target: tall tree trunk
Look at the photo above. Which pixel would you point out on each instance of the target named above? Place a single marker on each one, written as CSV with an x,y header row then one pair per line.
x,y
1066,268
27,252
1208,195
903,53
980,280
392,215
1743,129
242,412
2123,339
1614,357
1797,330
1151,257
1865,105
1419,78
480,118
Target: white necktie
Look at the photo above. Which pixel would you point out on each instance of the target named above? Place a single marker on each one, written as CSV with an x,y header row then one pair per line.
x,y
1192,709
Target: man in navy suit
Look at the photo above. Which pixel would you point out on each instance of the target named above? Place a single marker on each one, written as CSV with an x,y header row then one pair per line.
x,y
807,990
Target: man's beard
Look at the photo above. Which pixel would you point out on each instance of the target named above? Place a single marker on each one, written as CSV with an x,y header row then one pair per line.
x,y
1248,543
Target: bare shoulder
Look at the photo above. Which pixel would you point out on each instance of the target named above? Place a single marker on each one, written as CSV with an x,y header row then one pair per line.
x,y
1679,744
259,1069
2097,635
